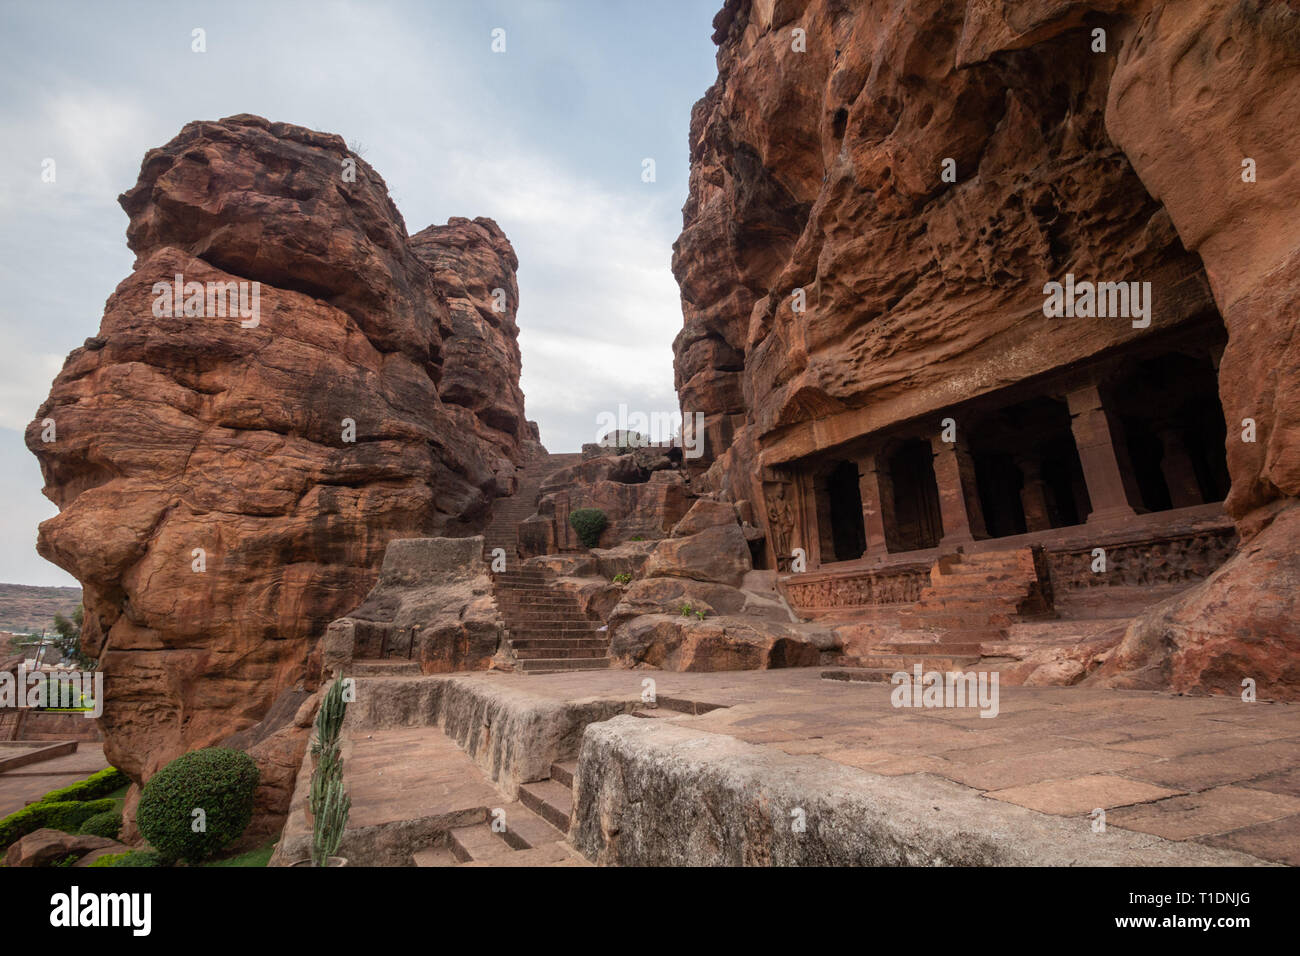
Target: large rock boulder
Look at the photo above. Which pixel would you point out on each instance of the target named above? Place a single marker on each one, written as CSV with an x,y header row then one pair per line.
x,y
47,847
697,605
227,484
433,603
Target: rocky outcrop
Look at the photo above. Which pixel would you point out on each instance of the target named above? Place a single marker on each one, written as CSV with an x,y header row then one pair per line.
x,y
830,274
228,481
697,605
433,604
642,491
47,847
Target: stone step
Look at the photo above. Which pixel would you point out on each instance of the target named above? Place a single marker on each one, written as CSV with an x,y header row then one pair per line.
x,y
863,675
933,649
552,854
550,800
943,621
477,842
525,830
385,667
533,629
561,666
557,642
551,654
563,772
434,856
904,662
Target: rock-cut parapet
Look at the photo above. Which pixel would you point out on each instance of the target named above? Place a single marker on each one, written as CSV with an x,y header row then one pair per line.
x,y
227,483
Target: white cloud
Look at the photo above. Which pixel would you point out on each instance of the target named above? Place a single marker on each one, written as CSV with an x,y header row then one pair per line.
x,y
25,376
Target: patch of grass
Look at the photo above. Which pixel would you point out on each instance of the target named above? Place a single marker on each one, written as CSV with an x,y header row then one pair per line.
x,y
258,857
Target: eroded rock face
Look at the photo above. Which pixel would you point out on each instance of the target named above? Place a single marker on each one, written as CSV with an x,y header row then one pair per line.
x,y
816,179
695,605
211,502
433,604
642,492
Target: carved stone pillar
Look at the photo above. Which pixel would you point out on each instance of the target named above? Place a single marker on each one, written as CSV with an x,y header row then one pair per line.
x,y
1179,472
807,535
1101,467
877,495
1033,494
959,500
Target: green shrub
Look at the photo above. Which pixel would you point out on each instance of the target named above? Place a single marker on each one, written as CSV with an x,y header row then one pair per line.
x,y
623,578
107,824
219,782
70,815
133,858
96,785
589,523
65,815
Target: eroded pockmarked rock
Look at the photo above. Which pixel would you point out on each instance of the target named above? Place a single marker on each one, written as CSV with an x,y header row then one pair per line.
x,y
837,287
227,485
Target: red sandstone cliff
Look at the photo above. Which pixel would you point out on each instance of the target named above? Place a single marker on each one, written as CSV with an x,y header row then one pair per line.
x,y
182,433
820,170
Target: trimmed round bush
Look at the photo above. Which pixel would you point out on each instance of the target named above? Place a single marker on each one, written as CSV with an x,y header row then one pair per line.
x,y
218,781
589,523
107,824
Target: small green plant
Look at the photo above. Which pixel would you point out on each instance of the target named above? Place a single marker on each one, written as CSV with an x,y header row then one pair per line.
x,y
689,610
65,815
106,824
329,819
589,523
637,537
134,858
329,719
216,781
623,578
328,801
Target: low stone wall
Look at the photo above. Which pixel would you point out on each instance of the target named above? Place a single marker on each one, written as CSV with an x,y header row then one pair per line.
x,y
512,735
820,591
652,794
1147,558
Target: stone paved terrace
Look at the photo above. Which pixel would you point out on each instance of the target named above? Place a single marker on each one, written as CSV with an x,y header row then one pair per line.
x,y
1216,771
32,781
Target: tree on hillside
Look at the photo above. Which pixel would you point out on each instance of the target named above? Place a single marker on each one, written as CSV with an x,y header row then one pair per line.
x,y
69,639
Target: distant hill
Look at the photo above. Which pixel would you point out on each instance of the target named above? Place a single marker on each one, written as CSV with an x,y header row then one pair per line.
x,y
25,608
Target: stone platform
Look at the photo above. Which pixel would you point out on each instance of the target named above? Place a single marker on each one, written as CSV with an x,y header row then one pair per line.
x,y
711,773
31,781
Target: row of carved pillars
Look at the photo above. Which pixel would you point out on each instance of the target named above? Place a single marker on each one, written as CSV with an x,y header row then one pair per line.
x,y
794,523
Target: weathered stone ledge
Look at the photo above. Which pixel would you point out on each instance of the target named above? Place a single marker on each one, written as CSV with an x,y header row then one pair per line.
x,y
648,793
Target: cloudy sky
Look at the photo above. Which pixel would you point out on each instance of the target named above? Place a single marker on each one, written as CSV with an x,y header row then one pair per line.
x,y
547,138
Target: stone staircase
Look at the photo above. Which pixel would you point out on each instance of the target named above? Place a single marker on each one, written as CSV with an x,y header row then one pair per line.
x,y
972,600
548,630
976,597
507,513
534,833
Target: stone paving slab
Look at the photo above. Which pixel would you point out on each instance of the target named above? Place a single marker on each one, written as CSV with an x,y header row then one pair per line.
x,y
1217,771
31,782
398,775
